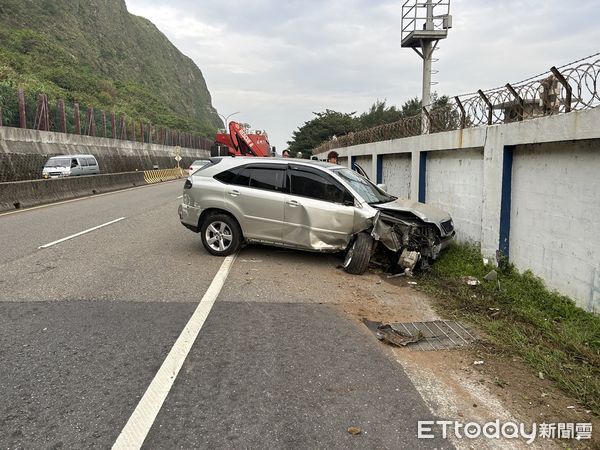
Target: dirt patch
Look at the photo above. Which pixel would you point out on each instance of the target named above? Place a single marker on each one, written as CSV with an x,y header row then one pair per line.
x,y
453,386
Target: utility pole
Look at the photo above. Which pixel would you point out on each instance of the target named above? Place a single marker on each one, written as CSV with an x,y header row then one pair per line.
x,y
423,25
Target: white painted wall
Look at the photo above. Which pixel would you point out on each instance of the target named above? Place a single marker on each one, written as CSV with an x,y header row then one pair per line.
x,y
555,190
454,183
366,163
396,174
555,216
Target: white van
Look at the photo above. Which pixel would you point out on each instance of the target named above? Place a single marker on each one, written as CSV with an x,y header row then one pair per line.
x,y
70,166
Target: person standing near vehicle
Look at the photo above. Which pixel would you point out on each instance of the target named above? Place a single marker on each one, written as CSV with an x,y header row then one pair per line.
x,y
332,157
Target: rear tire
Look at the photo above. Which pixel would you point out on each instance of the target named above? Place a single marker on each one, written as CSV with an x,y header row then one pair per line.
x,y
358,254
221,235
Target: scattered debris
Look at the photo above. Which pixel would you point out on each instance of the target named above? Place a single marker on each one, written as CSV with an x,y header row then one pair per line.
x,y
541,375
478,363
500,383
471,281
401,274
388,334
495,312
570,407
354,431
491,276
412,283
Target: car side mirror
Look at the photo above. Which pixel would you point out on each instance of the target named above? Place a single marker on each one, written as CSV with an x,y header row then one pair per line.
x,y
382,186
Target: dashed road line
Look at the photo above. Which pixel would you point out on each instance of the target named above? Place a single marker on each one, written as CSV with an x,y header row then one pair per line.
x,y
137,427
80,233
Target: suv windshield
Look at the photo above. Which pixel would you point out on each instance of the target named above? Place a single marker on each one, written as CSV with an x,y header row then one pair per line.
x,y
367,190
58,162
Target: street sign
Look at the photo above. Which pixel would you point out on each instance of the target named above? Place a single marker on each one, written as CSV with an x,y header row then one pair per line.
x,y
177,158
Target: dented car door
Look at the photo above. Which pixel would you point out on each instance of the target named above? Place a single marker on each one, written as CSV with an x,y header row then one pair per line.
x,y
318,211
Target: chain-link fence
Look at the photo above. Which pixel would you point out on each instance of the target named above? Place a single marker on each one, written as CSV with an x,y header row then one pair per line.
x,y
569,88
32,110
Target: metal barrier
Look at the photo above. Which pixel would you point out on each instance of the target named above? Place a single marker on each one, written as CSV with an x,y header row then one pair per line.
x,y
156,176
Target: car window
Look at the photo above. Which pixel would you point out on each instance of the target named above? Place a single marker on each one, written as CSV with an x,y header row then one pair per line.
x,y
266,178
83,162
242,178
226,177
367,190
58,162
91,161
314,185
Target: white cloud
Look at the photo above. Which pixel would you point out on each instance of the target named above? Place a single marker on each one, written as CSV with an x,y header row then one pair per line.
x,y
277,62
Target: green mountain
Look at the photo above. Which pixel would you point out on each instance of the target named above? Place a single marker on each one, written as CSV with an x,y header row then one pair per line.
x,y
94,52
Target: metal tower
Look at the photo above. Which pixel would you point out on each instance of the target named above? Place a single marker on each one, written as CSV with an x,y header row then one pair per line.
x,y
423,25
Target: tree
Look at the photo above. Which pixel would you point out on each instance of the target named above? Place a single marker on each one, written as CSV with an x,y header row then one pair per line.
x,y
379,113
332,123
321,128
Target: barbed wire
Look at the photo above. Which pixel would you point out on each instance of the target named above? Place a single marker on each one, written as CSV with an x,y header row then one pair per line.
x,y
573,87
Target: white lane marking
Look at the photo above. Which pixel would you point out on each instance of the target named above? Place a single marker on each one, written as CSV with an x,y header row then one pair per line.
x,y
181,196
137,427
87,197
80,233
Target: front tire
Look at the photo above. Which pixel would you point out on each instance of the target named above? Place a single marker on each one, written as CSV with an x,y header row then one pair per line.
x,y
359,254
221,235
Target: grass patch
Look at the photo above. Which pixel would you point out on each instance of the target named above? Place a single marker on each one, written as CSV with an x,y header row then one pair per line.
x,y
522,317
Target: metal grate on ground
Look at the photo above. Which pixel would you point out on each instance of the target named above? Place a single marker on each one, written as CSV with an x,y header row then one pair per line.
x,y
437,335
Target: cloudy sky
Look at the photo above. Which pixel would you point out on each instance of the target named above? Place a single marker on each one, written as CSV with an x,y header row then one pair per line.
x,y
278,61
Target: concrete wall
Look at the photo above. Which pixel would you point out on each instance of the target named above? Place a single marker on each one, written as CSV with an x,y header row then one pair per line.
x,y
24,152
555,215
24,194
395,172
454,183
527,188
366,163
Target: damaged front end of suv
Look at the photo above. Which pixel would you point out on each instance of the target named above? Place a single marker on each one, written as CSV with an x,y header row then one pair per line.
x,y
412,235
400,234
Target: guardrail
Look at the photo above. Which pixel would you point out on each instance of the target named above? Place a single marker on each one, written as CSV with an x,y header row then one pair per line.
x,y
569,88
156,176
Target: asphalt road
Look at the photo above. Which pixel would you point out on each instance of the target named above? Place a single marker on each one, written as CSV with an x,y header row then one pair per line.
x,y
85,325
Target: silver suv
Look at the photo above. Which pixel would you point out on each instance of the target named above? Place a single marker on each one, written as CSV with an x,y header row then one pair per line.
x,y
308,205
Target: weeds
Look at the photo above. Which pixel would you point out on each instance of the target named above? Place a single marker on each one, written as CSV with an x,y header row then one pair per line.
x,y
522,317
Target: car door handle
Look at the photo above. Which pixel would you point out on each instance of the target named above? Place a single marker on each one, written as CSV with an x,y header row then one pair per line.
x,y
234,193
292,203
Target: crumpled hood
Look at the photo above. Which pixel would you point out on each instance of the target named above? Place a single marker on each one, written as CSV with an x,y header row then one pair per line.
x,y
423,211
